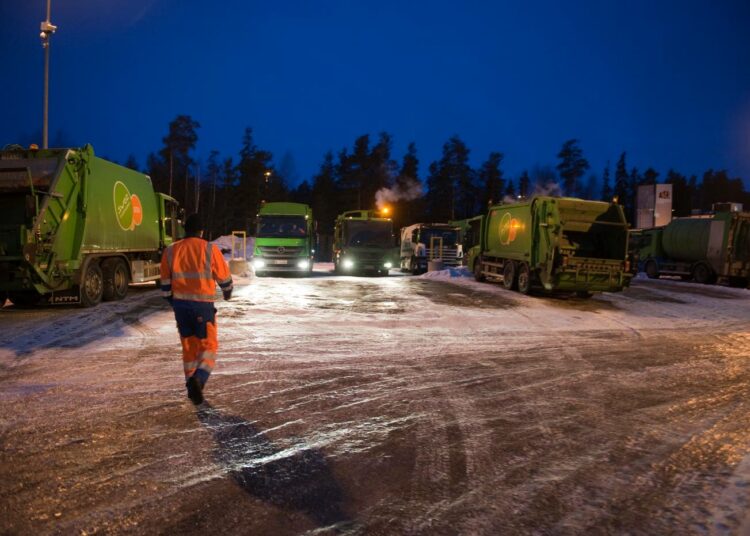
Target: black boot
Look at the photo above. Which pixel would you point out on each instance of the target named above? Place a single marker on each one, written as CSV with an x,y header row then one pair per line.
x,y
195,390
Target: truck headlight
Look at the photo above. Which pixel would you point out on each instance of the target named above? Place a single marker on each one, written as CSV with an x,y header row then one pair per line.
x,y
304,264
259,263
348,264
388,265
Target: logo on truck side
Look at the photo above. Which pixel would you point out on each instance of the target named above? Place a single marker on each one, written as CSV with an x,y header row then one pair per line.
x,y
508,229
128,208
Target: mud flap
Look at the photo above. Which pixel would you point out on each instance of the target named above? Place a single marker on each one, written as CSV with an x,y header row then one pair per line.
x,y
66,297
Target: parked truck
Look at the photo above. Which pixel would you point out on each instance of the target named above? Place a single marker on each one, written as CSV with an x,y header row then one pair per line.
x,y
75,228
285,239
706,249
363,242
468,232
423,242
555,244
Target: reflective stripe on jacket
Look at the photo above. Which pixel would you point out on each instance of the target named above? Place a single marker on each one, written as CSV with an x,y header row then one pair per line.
x,y
190,269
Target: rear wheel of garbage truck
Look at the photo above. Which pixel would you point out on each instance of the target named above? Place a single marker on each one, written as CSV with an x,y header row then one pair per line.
x,y
703,274
524,278
510,279
92,284
478,275
414,266
28,298
116,279
585,294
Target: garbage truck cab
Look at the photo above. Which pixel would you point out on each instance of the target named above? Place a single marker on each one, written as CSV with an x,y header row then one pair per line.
x,y
284,239
363,242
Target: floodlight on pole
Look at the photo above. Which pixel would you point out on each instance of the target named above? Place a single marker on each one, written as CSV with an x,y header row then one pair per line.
x,y
47,29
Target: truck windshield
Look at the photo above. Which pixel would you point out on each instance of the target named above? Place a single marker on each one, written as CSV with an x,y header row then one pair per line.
x,y
449,236
282,227
368,233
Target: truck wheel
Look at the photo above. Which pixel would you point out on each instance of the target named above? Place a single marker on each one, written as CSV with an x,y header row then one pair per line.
x,y
92,285
116,279
524,278
702,274
510,280
24,298
585,294
652,270
478,275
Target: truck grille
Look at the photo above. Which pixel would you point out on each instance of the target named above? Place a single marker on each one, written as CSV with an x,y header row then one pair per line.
x,y
280,252
450,255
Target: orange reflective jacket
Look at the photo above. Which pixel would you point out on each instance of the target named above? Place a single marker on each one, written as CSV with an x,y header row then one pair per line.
x,y
190,269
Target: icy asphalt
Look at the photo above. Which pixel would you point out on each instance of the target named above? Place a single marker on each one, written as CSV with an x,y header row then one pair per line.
x,y
391,405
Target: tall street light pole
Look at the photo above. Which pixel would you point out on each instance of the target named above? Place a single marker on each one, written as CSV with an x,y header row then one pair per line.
x,y
47,30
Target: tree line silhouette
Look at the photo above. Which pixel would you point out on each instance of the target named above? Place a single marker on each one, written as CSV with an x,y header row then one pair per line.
x,y
229,189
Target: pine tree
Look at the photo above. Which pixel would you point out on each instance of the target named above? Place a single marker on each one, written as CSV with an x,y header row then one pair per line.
x,y
606,187
524,185
409,206
572,166
650,176
326,201
131,162
510,191
621,187
176,159
491,179
680,193
255,184
451,191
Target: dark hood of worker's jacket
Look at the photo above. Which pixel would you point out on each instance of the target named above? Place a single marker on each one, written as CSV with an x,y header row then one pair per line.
x,y
190,270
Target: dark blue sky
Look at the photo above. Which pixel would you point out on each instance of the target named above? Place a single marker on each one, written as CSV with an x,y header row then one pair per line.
x,y
668,82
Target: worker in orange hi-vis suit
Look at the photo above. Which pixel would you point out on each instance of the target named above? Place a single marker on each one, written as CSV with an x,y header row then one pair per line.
x,y
190,270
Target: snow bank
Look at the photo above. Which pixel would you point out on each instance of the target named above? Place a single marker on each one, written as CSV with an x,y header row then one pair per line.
x,y
448,273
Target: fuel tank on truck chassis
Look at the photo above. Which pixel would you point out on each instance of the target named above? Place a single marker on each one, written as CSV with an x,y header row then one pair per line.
x,y
63,209
363,242
285,239
559,244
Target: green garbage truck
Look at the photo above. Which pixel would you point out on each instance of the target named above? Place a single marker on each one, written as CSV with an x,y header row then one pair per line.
x,y
77,229
285,239
554,244
705,249
363,242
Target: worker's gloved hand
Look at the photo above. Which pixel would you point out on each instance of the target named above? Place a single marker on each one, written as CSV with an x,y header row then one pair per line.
x,y
227,294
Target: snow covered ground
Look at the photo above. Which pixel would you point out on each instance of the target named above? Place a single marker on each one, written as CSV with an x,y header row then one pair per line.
x,y
384,405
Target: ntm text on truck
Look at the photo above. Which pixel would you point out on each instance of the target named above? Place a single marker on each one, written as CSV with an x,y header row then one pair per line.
x,y
555,244
76,228
423,242
363,242
285,239
705,249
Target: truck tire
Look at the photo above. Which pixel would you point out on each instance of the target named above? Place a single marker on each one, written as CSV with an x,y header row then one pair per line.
x,y
584,294
524,278
652,269
703,274
116,279
510,277
478,275
92,285
414,267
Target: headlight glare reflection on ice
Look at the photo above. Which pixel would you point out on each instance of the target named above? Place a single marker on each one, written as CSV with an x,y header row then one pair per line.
x,y
304,264
348,264
259,263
